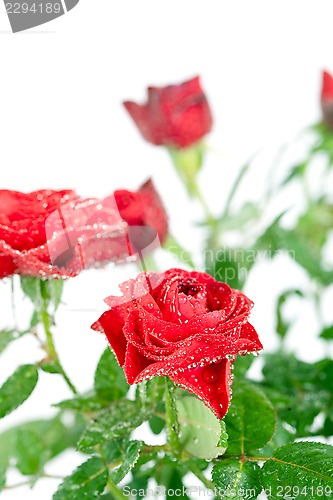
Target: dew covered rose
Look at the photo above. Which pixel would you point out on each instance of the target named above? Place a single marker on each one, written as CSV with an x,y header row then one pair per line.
x,y
57,234
176,115
182,324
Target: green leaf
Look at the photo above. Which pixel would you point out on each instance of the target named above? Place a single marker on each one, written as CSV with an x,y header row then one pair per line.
x,y
327,333
30,452
53,433
117,421
31,287
17,388
300,470
87,481
242,365
250,420
156,424
236,479
200,430
82,404
171,477
6,337
56,288
299,391
110,381
131,456
282,326
51,367
172,246
297,247
230,265
2,477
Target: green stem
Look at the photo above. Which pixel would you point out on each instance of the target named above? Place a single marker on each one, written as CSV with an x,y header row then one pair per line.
x,y
210,219
200,475
234,189
116,493
51,350
171,418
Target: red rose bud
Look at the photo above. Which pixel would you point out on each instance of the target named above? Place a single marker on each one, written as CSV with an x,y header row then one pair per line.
x,y
327,98
56,234
184,325
173,116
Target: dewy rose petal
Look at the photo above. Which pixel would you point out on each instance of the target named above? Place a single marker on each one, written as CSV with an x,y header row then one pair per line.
x,y
57,234
182,324
173,116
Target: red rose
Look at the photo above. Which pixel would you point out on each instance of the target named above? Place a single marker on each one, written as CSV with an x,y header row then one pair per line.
x,y
327,98
176,115
56,234
182,324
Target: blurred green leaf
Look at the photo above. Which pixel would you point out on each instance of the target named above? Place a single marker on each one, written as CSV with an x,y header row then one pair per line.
x,y
17,388
31,287
172,246
53,433
2,477
30,452
242,365
110,381
327,333
169,475
87,481
250,421
6,337
277,239
300,470
230,265
236,479
200,430
282,326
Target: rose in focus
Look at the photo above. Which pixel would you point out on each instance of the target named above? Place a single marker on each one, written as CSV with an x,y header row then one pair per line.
x,y
57,234
176,115
180,324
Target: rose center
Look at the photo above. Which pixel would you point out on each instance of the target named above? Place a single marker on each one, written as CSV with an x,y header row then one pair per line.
x,y
190,288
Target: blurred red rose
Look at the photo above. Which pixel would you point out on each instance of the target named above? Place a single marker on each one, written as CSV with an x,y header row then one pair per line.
x,y
182,324
327,98
56,234
176,115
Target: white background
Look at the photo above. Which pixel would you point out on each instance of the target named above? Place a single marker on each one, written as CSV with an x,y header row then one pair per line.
x,y
62,126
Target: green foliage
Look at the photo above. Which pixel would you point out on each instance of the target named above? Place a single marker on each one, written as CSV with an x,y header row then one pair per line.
x,y
300,470
53,434
236,479
230,265
110,381
200,430
30,452
130,457
250,421
6,337
87,481
113,423
17,388
327,333
282,325
298,390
